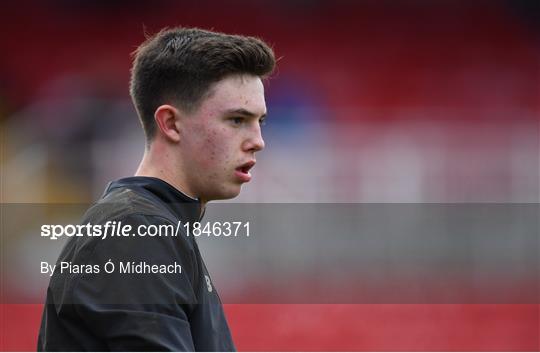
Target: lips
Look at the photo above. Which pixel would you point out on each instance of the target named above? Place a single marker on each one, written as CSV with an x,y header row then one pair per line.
x,y
242,172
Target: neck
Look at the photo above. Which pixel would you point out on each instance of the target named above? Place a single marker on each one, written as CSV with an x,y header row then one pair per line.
x,y
157,163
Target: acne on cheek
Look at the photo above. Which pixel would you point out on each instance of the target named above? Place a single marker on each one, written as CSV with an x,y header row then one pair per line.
x,y
214,153
213,143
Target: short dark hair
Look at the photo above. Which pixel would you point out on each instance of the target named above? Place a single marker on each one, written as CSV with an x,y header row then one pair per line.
x,y
180,64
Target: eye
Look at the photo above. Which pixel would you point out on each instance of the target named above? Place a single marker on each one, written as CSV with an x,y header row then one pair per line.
x,y
262,121
238,120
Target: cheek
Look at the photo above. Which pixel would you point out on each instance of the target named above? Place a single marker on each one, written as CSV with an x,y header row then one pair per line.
x,y
216,151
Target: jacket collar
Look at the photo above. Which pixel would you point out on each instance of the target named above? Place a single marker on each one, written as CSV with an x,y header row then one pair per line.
x,y
184,207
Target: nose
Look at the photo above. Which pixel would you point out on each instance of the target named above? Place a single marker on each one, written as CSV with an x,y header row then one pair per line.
x,y
254,142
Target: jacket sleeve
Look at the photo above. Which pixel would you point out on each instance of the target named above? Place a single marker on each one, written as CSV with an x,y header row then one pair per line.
x,y
133,309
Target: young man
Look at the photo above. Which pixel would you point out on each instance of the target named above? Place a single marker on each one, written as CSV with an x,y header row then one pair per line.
x,y
200,99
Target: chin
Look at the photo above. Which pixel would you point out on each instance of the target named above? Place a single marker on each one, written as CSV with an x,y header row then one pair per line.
x,y
229,193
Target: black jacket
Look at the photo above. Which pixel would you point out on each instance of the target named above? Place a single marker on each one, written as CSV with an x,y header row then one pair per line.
x,y
134,311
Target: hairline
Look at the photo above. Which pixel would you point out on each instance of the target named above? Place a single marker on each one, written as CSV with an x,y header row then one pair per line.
x,y
209,93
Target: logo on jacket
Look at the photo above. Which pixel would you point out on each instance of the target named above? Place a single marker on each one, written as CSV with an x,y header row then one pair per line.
x,y
208,283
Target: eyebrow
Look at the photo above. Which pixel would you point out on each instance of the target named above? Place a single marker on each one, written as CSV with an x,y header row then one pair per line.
x,y
244,112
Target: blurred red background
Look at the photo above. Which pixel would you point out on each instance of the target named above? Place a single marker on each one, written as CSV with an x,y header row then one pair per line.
x,y
303,327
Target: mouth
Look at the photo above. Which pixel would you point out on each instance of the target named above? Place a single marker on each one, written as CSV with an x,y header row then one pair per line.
x,y
242,172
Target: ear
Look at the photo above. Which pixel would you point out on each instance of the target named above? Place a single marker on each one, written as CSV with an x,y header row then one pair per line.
x,y
166,117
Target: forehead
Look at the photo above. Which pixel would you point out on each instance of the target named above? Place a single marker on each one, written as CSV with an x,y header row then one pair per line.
x,y
235,92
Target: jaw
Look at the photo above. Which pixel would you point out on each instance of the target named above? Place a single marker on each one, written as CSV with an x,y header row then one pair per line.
x,y
224,191
227,192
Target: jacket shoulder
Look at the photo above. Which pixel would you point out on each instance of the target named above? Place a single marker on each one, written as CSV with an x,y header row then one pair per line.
x,y
125,202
